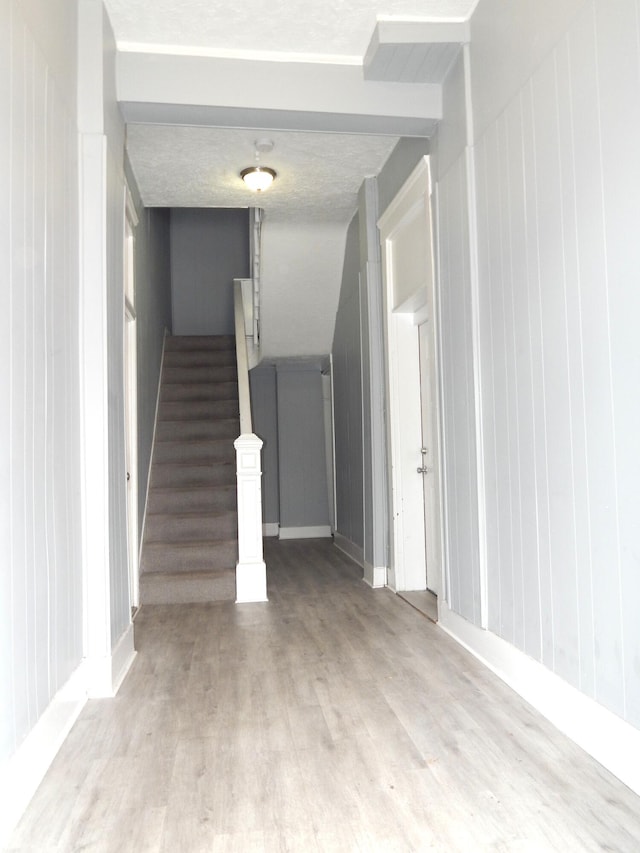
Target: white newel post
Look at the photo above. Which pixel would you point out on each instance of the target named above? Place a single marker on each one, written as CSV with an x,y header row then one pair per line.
x,y
251,572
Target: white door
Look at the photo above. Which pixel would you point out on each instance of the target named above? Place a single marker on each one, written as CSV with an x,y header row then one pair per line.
x,y
428,452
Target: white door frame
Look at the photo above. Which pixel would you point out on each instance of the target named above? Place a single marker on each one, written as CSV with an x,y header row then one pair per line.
x,y
130,362
409,289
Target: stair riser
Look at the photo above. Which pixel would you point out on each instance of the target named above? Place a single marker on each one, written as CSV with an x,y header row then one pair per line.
x,y
195,358
183,557
191,528
205,430
199,342
172,375
195,452
186,411
191,500
193,475
168,589
200,391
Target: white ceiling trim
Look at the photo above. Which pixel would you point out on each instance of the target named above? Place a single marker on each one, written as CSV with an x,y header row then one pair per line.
x,y
231,53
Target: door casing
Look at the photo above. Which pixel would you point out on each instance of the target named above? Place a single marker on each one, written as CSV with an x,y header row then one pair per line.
x,y
410,299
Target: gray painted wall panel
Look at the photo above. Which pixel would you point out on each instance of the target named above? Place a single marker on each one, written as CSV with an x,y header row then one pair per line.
x,y
301,446
264,410
347,395
209,248
153,316
396,170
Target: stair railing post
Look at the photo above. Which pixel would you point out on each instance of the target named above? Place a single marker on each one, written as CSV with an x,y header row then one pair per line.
x,y
251,571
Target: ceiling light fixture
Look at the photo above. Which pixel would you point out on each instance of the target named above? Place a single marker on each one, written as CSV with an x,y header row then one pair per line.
x,y
258,178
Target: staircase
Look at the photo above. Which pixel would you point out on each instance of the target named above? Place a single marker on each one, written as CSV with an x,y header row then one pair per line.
x,y
190,543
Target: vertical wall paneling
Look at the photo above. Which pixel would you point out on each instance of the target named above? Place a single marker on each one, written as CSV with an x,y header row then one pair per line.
x,y
558,183
617,33
457,386
348,397
40,575
304,505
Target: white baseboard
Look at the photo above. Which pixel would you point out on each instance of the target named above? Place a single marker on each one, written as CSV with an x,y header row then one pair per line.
x,y
251,582
321,532
349,548
23,772
607,737
103,676
374,576
271,528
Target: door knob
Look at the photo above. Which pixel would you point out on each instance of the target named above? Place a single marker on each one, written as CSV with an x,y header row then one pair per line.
x,y
424,470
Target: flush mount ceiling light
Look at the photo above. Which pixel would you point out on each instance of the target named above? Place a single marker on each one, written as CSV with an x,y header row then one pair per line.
x,y
259,178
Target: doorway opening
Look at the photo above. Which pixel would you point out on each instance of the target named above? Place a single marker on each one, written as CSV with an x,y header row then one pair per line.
x,y
415,462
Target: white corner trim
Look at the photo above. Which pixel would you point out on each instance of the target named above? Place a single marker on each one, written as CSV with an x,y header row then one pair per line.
x,y
270,528
321,532
122,658
104,676
349,548
23,772
375,576
605,736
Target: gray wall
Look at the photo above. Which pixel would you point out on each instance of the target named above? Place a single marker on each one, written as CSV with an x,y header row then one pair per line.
x,y
288,415
358,367
301,446
153,316
347,395
264,411
556,221
209,248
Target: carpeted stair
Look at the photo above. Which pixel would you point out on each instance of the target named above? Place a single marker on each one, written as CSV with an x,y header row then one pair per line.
x,y
190,539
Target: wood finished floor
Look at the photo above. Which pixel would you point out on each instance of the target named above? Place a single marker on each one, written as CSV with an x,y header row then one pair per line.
x,y
333,718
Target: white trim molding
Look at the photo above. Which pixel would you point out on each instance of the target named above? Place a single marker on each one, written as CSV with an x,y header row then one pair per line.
x,y
375,576
355,552
25,770
251,571
270,528
321,532
613,742
104,676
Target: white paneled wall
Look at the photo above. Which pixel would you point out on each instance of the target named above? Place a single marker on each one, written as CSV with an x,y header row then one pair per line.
x,y
458,427
40,535
559,275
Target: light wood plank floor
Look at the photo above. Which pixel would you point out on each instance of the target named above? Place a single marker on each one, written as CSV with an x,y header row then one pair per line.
x,y
333,718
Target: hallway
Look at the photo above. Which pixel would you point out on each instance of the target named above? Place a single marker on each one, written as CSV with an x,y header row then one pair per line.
x,y
333,718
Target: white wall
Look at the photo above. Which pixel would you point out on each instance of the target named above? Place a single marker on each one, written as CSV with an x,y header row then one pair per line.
x,y
41,607
40,568
556,97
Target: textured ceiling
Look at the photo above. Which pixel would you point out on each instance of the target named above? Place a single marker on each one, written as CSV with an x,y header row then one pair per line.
x,y
319,174
329,28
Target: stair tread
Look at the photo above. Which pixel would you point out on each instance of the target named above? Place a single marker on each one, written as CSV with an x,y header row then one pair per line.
x,y
186,544
210,514
203,573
